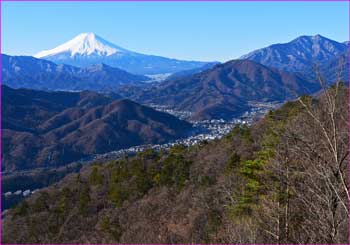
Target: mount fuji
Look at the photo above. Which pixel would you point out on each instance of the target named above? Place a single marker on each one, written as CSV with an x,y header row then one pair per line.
x,y
88,49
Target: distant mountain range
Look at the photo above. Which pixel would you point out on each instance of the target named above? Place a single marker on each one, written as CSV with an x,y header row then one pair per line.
x,y
330,71
209,90
88,49
29,72
188,194
224,90
190,72
276,73
299,54
54,128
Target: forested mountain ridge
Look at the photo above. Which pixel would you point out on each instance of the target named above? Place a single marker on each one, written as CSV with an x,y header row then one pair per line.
x,y
29,72
279,181
225,90
299,54
51,129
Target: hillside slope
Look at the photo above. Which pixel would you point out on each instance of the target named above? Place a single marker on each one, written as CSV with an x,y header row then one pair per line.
x,y
299,54
225,90
263,184
29,72
54,128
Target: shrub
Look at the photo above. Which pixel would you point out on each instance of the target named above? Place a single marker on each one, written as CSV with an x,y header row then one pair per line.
x,y
148,154
207,181
41,202
252,171
175,170
105,224
63,202
84,199
143,183
117,194
22,209
95,177
232,163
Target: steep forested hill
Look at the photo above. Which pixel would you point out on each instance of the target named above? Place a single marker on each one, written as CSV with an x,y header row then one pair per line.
x,y
51,129
225,90
282,180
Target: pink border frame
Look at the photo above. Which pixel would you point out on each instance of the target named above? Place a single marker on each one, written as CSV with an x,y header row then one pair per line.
x,y
162,1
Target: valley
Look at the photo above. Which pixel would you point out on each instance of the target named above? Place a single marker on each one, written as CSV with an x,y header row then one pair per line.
x,y
193,186
27,182
101,144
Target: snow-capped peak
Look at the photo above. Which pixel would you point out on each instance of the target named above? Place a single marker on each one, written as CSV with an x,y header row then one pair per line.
x,y
84,44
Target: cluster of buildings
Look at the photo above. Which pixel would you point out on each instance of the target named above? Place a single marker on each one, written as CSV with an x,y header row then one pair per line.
x,y
259,109
205,130
184,115
19,193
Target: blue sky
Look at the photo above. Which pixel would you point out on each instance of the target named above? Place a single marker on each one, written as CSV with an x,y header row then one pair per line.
x,y
194,30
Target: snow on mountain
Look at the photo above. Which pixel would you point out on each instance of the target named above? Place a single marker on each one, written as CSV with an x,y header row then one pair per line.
x,y
298,54
89,49
84,44
33,73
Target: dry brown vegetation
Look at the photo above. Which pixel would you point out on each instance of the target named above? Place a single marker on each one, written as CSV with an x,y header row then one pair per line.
x,y
283,180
